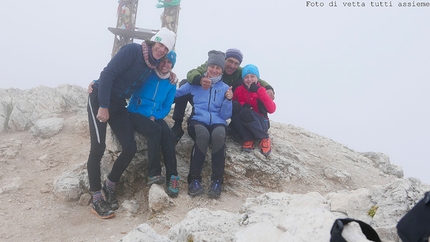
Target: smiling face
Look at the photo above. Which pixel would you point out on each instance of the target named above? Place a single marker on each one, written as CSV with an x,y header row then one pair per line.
x,y
231,65
249,79
159,50
165,66
214,71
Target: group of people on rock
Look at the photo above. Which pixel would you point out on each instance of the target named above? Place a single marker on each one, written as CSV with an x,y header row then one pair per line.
x,y
135,92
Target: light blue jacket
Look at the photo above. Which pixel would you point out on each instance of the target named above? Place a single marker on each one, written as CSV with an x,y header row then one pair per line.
x,y
210,106
153,98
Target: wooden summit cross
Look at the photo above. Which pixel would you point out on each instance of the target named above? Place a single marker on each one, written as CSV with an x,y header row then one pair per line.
x,y
126,29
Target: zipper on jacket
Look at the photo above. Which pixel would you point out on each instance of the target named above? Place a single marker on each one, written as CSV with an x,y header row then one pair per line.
x,y
155,94
249,98
209,104
156,89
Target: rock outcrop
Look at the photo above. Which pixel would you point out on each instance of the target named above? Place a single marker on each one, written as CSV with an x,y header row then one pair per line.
x,y
20,109
295,194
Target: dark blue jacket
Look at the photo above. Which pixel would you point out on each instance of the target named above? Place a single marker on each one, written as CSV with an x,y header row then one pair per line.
x,y
123,74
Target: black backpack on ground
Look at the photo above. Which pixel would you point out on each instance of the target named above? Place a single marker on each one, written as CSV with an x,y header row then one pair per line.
x,y
337,228
415,225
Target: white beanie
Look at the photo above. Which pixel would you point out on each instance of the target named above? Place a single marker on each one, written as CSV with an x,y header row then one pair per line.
x,y
166,37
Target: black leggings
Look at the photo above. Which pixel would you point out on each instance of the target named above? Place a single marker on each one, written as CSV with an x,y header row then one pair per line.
x,y
158,135
120,123
204,135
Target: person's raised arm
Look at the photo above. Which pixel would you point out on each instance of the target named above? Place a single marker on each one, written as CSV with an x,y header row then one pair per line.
x,y
173,78
264,97
194,75
269,89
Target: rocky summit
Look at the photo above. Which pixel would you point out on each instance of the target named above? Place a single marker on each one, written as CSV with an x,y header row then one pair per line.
x,y
295,194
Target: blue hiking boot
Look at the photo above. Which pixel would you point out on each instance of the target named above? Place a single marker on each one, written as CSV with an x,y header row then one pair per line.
x,y
173,186
215,190
195,188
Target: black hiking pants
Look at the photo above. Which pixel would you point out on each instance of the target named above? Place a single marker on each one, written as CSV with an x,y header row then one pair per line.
x,y
158,135
120,123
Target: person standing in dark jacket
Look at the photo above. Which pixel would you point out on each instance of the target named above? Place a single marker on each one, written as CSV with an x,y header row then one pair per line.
x,y
126,71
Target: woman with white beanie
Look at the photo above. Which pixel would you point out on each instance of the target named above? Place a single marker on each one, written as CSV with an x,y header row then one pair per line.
x,y
125,72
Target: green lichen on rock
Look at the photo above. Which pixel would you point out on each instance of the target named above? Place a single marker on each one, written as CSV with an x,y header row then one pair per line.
x,y
372,211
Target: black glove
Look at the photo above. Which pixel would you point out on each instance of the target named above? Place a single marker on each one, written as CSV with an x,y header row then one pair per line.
x,y
247,105
254,87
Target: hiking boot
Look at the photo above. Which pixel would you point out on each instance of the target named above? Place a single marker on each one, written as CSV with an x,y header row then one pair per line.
x,y
159,179
248,146
195,188
102,209
173,186
215,190
266,146
110,196
177,132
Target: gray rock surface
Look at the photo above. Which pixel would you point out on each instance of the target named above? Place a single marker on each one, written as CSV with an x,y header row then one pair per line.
x,y
46,128
295,194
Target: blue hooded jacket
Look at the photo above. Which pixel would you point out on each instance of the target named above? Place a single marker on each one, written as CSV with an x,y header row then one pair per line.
x,y
154,98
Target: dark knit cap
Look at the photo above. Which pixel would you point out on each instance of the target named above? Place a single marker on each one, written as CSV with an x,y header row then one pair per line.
x,y
217,58
235,53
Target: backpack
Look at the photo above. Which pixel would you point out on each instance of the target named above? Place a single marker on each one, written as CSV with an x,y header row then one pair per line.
x,y
415,225
337,228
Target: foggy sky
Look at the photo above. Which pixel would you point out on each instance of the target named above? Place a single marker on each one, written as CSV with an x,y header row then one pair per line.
x,y
357,75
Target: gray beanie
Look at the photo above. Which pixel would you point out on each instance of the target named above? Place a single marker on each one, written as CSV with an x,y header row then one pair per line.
x,y
217,58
